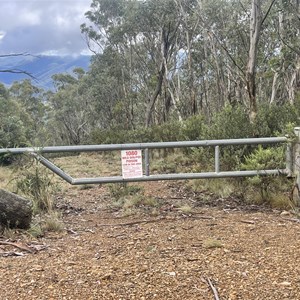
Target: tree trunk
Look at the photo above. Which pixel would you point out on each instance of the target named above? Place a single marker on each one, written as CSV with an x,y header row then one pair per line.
x,y
191,76
255,28
15,211
274,87
152,101
167,42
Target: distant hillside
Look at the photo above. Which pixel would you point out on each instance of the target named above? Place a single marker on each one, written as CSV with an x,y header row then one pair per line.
x,y
41,67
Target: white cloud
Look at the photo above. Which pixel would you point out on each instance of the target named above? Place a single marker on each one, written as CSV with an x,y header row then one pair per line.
x,y
30,18
62,22
2,35
42,26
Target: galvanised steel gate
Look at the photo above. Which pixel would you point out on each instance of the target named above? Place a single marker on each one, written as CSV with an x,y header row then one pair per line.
x,y
145,147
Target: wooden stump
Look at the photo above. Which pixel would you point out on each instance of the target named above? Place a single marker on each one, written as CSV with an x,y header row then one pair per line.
x,y
15,211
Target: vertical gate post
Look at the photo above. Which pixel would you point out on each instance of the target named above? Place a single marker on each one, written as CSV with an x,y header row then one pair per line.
x,y
290,160
296,154
217,159
147,164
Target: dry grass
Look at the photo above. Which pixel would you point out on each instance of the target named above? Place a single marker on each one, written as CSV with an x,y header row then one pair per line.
x,y
10,233
186,209
90,164
52,222
212,243
35,231
5,177
221,187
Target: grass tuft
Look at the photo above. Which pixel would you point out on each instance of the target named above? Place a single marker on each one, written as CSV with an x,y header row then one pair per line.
x,y
53,223
186,209
212,243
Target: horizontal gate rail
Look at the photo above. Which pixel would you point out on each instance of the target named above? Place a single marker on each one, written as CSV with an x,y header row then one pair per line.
x,y
157,145
38,151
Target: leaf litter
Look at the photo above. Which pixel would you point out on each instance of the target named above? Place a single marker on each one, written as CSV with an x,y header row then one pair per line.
x,y
226,254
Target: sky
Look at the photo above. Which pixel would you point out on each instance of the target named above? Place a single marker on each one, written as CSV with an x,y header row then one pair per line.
x,y
43,27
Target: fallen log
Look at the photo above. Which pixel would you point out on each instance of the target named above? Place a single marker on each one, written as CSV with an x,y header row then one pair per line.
x,y
15,211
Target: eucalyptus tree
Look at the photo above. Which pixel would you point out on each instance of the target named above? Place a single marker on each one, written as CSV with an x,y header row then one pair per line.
x,y
240,38
31,99
70,119
144,35
286,61
110,85
107,84
33,110
158,60
12,128
255,32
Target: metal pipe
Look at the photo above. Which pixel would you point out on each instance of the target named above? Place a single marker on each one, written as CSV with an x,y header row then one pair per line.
x,y
53,168
217,159
146,146
116,179
157,145
147,164
289,159
226,174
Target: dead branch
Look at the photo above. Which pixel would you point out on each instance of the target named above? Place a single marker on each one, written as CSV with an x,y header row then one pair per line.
x,y
137,222
214,290
247,222
14,54
17,71
20,246
202,217
11,253
292,219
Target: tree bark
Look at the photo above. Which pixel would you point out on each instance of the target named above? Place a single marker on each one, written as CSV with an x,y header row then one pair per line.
x,y
152,101
161,74
168,35
15,211
255,28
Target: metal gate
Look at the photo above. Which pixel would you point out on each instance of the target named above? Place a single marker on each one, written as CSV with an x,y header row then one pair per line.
x,y
145,147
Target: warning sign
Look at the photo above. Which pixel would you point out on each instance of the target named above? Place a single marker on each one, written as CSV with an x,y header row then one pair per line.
x,y
132,166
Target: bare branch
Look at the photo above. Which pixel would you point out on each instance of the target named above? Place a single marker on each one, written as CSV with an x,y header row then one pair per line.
x,y
288,45
267,13
228,53
17,71
18,54
13,55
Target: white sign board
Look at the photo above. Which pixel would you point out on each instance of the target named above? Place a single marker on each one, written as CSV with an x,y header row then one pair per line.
x,y
132,166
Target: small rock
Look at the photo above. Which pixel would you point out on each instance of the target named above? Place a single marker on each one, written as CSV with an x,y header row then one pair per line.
x,y
285,283
106,276
285,213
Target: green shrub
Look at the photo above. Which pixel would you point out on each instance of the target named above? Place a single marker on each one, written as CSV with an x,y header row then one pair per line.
x,y
141,135
230,123
265,159
193,127
272,120
34,182
167,132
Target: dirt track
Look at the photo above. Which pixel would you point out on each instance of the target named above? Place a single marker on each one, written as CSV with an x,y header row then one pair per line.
x,y
100,255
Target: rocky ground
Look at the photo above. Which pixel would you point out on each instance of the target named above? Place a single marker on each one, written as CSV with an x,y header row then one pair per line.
x,y
222,250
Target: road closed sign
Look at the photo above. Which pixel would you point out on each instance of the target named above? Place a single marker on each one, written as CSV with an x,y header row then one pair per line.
x,y
132,166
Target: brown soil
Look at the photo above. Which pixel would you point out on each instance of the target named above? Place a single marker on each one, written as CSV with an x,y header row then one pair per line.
x,y
220,251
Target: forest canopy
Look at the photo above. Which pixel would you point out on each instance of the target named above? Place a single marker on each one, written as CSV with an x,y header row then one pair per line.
x,y
160,62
